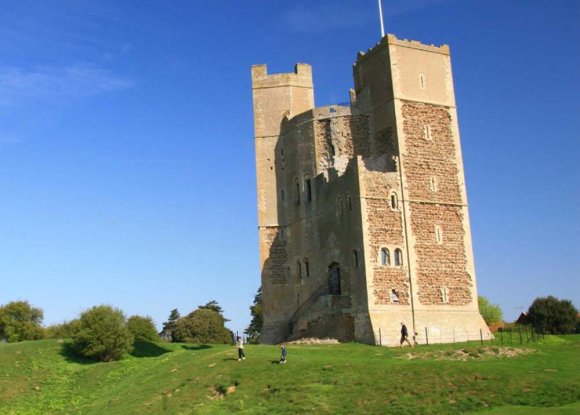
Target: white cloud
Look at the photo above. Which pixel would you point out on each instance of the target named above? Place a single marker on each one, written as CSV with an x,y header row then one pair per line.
x,y
57,83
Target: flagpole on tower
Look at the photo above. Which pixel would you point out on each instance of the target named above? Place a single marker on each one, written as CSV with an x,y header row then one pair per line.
x,y
381,18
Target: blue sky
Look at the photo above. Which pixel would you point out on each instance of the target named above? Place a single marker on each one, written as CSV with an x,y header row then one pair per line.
x,y
126,142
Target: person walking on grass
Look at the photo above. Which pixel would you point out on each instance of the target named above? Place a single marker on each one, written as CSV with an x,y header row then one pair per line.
x,y
405,335
282,354
240,345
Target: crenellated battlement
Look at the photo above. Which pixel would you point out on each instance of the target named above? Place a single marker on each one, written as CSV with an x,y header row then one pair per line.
x,y
414,44
301,77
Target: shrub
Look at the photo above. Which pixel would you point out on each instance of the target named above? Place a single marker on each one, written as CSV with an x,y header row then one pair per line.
x,y
142,328
59,331
491,313
552,316
203,326
20,321
101,333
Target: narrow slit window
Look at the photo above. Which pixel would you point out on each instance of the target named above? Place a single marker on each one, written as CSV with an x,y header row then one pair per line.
x,y
349,202
306,267
398,257
422,81
308,188
299,265
394,201
297,192
385,257
438,234
355,258
445,295
427,132
433,183
282,195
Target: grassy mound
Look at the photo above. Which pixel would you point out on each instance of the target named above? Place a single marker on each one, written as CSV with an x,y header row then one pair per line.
x,y
43,377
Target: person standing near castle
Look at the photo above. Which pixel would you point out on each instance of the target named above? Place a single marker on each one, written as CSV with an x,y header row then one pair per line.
x,y
240,345
282,354
405,335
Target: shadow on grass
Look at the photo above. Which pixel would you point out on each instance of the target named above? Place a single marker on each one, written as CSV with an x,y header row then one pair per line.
x,y
148,349
198,347
70,356
229,359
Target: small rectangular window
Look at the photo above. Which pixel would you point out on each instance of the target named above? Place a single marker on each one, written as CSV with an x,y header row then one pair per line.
x,y
427,132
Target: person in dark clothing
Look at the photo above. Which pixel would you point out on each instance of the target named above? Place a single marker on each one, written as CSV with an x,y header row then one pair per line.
x,y
282,354
405,335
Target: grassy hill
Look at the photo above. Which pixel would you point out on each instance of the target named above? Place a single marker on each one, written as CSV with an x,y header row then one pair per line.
x,y
42,377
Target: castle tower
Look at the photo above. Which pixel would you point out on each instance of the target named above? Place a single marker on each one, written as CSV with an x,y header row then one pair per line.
x,y
363,214
408,87
276,97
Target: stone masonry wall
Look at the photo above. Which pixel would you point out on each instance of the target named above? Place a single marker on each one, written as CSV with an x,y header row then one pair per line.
x,y
443,264
385,230
430,157
275,263
436,207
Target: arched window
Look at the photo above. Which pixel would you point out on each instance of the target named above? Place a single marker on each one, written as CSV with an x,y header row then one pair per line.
x,y
394,201
306,267
398,257
355,258
299,264
385,257
348,202
339,205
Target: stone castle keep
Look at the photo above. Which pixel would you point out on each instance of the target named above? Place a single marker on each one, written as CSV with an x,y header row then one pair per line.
x,y
362,209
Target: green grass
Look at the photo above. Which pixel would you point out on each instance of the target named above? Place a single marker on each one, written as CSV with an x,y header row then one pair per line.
x,y
42,377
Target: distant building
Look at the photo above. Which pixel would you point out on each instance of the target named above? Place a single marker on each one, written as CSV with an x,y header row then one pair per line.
x,y
362,209
522,318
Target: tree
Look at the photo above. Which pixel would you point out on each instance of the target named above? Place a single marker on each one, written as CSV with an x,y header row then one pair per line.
x,y
101,333
20,321
213,305
59,331
169,325
548,315
203,326
491,313
254,330
142,328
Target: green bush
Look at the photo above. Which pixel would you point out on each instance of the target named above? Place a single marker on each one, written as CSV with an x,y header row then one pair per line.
x,y
552,316
59,331
142,328
20,321
101,333
491,313
203,326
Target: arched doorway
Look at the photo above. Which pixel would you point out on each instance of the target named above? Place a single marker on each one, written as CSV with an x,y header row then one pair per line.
x,y
334,279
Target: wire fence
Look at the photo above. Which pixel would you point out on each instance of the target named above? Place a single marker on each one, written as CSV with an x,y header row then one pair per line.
x,y
512,336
